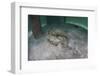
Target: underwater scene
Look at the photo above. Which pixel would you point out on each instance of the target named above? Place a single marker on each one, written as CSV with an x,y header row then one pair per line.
x,y
57,37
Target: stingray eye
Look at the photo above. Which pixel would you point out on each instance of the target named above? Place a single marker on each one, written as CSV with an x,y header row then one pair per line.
x,y
59,37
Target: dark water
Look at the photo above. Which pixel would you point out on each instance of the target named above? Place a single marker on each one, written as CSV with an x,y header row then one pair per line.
x,y
75,45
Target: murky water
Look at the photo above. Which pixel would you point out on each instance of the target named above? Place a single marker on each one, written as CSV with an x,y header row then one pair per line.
x,y
72,45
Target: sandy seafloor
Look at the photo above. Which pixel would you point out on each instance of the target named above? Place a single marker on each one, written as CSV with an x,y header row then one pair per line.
x,y
41,49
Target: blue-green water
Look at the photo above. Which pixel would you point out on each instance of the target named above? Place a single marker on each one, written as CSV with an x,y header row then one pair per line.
x,y
74,28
